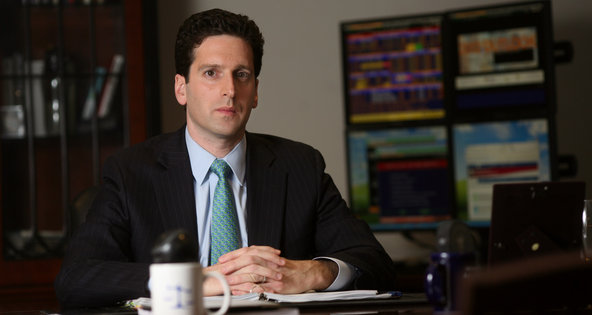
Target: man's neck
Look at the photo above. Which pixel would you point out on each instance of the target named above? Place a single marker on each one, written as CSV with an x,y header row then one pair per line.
x,y
218,147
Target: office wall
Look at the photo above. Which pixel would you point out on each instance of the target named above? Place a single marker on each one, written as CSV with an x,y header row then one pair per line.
x,y
300,90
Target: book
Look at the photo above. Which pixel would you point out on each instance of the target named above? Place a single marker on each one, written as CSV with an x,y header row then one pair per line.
x,y
91,98
110,86
37,97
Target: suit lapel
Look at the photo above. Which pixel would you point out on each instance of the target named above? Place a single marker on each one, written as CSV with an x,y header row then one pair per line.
x,y
266,194
173,185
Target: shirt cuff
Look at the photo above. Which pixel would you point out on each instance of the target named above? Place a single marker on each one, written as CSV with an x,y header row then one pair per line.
x,y
345,274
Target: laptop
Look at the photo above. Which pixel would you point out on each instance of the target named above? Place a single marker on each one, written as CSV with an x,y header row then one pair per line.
x,y
530,219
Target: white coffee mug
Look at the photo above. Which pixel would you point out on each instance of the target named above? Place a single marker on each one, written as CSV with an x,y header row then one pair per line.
x,y
176,289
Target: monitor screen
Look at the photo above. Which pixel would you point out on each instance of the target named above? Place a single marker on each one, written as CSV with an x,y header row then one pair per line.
x,y
440,107
393,69
496,152
400,178
500,57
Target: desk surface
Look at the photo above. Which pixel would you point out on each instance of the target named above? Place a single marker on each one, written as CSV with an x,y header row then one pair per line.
x,y
408,303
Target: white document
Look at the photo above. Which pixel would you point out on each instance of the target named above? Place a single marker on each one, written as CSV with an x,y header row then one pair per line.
x,y
326,296
273,300
301,297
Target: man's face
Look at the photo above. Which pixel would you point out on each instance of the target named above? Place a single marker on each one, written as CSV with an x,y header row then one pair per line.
x,y
221,91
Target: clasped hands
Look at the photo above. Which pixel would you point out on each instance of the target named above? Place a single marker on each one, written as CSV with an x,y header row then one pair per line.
x,y
262,269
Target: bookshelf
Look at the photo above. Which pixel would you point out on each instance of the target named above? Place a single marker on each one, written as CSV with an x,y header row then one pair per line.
x,y
74,89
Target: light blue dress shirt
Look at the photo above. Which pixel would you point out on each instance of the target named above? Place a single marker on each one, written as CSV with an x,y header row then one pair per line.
x,y
204,183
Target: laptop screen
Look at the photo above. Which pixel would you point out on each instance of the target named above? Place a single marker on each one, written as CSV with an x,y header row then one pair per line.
x,y
535,218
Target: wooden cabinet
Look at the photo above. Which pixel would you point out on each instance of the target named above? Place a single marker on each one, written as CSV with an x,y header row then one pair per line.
x,y
74,88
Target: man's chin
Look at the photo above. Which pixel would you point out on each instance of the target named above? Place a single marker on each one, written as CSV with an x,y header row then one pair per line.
x,y
232,135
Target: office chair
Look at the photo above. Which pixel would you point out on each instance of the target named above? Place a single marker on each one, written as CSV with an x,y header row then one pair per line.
x,y
557,283
79,208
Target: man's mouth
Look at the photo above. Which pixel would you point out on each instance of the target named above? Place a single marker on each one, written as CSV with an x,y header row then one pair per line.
x,y
227,110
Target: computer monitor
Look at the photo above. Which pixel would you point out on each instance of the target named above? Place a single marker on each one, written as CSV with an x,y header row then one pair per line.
x,y
400,178
393,69
500,58
439,107
489,153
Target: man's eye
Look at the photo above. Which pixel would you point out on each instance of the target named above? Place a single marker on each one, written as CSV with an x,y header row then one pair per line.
x,y
210,73
242,75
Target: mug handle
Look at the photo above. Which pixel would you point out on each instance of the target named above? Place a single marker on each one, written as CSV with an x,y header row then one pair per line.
x,y
227,296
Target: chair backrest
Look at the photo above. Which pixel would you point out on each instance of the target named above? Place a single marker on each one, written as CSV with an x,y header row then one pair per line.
x,y
540,284
79,208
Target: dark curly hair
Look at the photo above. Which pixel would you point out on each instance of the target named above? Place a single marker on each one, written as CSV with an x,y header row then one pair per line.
x,y
213,22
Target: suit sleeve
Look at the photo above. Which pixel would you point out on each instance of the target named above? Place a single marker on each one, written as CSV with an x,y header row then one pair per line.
x,y
98,268
343,236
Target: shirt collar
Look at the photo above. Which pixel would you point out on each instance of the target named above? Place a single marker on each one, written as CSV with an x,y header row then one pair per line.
x,y
201,159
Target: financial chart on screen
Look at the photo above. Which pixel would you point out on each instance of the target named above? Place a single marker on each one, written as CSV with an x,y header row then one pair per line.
x,y
400,177
393,69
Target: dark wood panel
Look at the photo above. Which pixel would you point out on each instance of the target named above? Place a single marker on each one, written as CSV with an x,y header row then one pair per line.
x,y
135,69
28,300
28,284
28,272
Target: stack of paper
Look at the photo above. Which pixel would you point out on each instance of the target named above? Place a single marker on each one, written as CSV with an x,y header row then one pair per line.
x,y
273,300
262,299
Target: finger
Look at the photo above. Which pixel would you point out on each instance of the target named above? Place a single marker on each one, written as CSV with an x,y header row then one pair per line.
x,y
216,267
259,275
242,251
212,286
266,252
247,261
272,286
247,288
238,292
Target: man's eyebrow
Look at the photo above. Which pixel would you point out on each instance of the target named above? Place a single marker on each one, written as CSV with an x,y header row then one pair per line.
x,y
208,66
242,67
215,65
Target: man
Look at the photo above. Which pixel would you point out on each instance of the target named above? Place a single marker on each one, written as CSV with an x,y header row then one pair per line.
x,y
294,231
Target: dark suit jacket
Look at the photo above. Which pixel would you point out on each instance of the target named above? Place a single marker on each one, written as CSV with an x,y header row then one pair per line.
x,y
292,205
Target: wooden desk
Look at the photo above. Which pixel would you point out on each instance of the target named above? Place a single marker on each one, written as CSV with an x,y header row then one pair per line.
x,y
409,303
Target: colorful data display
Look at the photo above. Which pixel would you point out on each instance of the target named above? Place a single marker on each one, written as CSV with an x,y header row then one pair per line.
x,y
394,70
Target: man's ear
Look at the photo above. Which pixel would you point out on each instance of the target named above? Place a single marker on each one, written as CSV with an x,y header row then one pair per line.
x,y
180,89
256,100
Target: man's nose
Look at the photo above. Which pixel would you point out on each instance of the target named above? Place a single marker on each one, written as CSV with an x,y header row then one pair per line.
x,y
228,86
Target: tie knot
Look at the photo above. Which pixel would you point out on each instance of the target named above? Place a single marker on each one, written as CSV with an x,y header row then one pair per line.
x,y
220,168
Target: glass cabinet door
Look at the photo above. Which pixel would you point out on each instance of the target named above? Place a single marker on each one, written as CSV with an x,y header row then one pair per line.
x,y
62,112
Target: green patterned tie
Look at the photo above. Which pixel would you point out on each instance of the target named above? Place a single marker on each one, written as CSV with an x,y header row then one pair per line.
x,y
224,229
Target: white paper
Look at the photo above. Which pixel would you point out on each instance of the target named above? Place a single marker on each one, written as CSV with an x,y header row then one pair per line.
x,y
300,297
273,300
